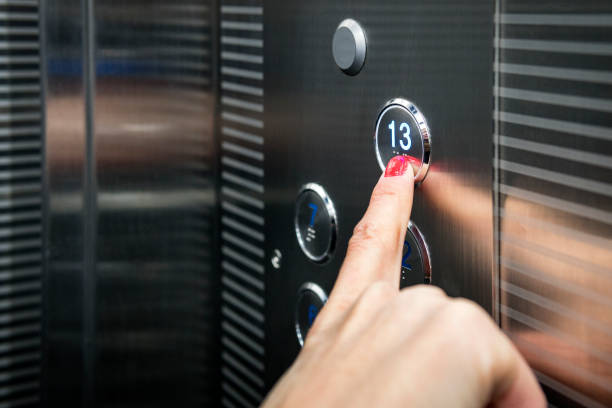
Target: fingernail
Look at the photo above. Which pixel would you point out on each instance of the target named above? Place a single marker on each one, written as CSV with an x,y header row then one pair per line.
x,y
396,166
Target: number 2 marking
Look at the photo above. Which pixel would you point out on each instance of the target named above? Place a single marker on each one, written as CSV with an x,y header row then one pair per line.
x,y
406,255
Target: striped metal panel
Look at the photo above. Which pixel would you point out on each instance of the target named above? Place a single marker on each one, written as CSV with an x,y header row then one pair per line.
x,y
20,204
156,307
553,136
242,203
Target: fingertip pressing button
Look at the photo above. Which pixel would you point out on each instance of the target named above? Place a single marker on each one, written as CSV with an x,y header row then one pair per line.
x,y
401,129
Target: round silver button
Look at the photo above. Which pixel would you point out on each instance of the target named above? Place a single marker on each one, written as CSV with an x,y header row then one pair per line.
x,y
349,47
310,300
315,223
416,263
401,129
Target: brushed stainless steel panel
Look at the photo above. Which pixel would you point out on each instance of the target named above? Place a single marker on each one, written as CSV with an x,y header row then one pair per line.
x,y
132,304
21,205
64,171
241,134
320,124
554,137
156,307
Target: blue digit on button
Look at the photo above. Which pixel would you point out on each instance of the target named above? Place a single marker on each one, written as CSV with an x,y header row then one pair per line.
x,y
406,255
314,208
312,313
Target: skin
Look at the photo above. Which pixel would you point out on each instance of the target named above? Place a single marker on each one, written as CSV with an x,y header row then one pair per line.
x,y
374,345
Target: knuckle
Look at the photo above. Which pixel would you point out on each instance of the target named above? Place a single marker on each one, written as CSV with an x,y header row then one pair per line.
x,y
385,192
380,290
372,235
429,291
488,351
421,299
368,234
461,317
467,311
374,295
367,229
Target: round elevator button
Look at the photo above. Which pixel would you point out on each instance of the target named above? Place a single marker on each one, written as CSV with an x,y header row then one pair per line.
x,y
416,264
349,47
310,301
315,223
401,129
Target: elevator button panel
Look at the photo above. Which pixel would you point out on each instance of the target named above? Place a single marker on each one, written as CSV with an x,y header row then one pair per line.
x,y
310,300
416,264
315,223
401,129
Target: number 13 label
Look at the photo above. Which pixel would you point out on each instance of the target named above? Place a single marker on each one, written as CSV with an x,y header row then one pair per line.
x,y
405,142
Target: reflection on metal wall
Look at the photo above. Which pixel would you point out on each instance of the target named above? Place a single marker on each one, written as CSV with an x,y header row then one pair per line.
x,y
133,313
554,135
20,204
155,306
241,188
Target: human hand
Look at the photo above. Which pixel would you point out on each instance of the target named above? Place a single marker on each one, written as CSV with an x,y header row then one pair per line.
x,y
374,345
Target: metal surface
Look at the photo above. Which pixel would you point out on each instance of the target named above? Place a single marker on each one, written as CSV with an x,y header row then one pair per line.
x,y
21,204
65,164
554,137
415,237
319,125
172,264
241,132
132,305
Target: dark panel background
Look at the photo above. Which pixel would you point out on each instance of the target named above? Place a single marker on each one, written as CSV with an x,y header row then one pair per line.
x,y
319,128
554,136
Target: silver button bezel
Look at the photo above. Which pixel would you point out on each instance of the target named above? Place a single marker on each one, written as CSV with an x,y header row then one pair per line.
x,y
329,206
320,293
424,131
423,249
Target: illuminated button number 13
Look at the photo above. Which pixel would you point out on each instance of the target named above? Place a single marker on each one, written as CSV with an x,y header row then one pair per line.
x,y
405,141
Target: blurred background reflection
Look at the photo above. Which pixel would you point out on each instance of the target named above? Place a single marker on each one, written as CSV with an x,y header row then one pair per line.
x,y
135,121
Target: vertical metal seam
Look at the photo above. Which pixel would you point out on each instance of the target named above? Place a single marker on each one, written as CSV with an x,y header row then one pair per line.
x,y
215,7
496,270
90,208
42,40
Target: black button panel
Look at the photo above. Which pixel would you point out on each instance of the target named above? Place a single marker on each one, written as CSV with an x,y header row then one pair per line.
x,y
416,264
311,299
315,223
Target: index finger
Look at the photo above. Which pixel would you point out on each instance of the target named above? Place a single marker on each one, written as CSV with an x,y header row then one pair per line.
x,y
375,249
